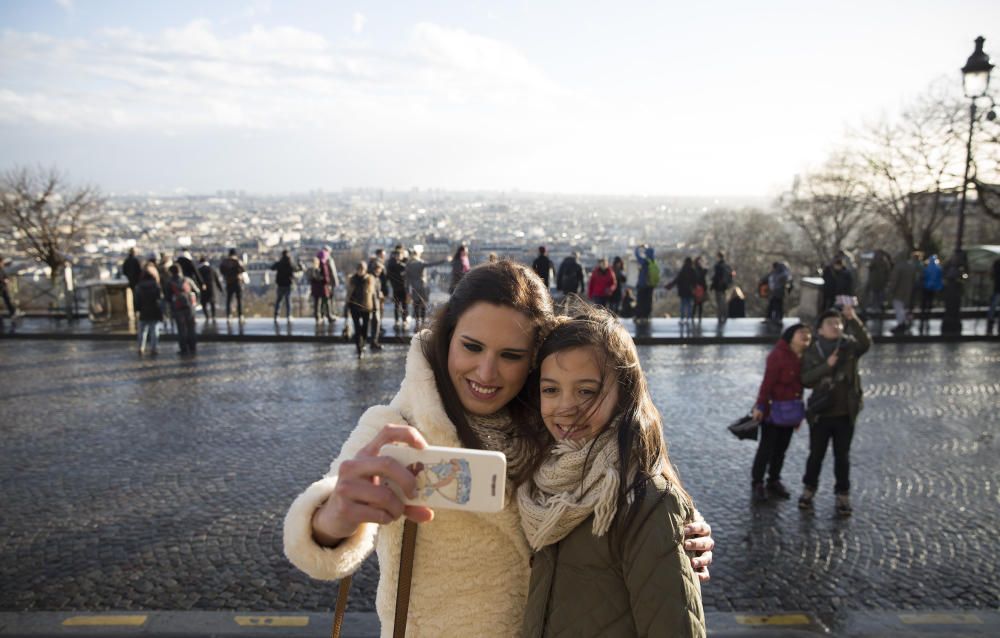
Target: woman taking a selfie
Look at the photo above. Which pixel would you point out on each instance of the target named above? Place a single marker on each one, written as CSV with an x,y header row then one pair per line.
x,y
461,379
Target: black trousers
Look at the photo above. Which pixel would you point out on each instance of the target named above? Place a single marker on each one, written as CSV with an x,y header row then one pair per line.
x,y
360,317
776,309
399,302
187,333
839,429
644,302
206,302
771,448
6,301
234,291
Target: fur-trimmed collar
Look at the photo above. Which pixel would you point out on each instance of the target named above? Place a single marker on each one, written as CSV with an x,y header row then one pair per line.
x,y
418,399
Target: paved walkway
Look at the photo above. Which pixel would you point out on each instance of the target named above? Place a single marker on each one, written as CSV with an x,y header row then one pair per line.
x,y
133,483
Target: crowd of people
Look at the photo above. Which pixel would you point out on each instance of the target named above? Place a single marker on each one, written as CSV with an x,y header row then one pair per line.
x,y
906,283
170,289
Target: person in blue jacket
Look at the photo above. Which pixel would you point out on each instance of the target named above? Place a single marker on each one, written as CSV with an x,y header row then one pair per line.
x,y
643,286
932,283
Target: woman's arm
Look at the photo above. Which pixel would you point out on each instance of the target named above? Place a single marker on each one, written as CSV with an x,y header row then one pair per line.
x,y
766,385
664,593
331,527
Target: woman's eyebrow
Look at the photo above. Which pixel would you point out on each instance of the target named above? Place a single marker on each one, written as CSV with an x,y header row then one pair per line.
x,y
480,343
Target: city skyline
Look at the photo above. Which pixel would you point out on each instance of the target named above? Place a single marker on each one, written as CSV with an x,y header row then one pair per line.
x,y
662,101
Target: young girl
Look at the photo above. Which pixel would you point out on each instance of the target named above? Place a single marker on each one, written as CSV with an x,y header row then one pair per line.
x,y
605,510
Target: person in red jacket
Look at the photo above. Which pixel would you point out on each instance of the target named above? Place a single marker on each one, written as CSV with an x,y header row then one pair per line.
x,y
779,409
602,284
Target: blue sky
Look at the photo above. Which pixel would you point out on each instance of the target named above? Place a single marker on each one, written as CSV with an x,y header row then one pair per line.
x,y
728,98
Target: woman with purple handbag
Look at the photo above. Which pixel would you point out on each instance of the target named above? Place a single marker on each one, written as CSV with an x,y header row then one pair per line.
x,y
779,409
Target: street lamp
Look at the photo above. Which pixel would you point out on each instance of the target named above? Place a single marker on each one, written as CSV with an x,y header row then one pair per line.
x,y
976,83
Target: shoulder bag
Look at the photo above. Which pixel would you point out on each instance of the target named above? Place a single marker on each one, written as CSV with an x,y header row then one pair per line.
x,y
402,586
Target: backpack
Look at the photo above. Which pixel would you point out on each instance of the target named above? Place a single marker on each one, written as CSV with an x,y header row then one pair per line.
x,y
183,296
652,273
360,292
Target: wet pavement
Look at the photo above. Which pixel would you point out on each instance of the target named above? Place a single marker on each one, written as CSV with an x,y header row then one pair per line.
x,y
305,329
160,483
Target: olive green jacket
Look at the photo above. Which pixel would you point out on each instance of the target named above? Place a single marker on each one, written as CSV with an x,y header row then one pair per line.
x,y
817,374
638,582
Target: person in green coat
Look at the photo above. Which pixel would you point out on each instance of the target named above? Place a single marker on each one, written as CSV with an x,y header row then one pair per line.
x,y
830,368
604,512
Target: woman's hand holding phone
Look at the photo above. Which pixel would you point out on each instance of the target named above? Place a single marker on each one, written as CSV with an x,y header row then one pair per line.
x,y
361,495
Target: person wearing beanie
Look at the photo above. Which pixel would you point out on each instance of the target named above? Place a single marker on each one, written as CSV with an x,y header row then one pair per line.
x,y
779,410
830,368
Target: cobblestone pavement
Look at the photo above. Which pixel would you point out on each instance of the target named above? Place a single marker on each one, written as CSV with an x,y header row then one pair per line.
x,y
161,483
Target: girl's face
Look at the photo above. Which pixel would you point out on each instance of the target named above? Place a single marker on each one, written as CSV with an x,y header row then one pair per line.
x,y
490,356
574,400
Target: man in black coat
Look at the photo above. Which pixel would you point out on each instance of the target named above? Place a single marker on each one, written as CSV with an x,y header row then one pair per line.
x,y
284,277
542,265
210,281
132,269
570,279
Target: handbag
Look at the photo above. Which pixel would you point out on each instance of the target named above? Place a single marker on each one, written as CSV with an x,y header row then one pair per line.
x,y
789,412
745,428
699,293
402,586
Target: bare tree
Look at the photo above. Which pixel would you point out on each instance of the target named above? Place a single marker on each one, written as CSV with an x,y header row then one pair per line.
x,y
47,218
830,208
985,174
912,167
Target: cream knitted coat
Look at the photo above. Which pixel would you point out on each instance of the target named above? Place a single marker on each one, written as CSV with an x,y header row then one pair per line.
x,y
470,571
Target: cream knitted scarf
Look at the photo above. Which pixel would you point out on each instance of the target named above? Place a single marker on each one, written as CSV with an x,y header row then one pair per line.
x,y
557,500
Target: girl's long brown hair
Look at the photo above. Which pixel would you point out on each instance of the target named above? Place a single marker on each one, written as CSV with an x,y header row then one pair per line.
x,y
642,449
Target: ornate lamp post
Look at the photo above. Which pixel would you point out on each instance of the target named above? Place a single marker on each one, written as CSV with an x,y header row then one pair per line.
x,y
976,82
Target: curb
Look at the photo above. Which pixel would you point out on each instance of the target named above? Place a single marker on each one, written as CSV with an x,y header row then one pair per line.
x,y
236,624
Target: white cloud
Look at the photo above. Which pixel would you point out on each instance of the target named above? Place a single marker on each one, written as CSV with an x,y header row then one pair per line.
x,y
259,79
66,4
358,24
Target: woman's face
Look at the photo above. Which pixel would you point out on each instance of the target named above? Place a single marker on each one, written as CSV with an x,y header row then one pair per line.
x,y
574,402
490,356
801,339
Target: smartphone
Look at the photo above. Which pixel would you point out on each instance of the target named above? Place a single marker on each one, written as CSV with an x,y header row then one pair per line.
x,y
452,477
846,300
